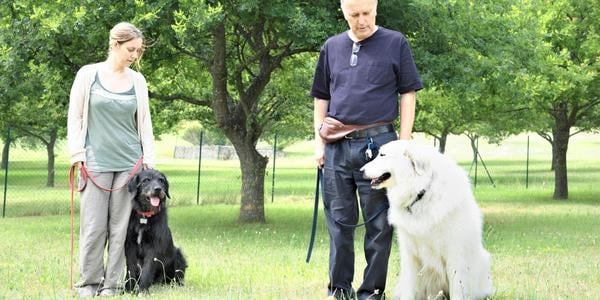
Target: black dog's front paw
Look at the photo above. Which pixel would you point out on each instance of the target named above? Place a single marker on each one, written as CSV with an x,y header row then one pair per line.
x,y
143,292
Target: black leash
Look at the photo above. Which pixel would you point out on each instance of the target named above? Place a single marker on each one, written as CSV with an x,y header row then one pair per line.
x,y
315,215
382,209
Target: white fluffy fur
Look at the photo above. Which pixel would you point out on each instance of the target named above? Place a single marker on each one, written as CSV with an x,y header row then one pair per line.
x,y
440,237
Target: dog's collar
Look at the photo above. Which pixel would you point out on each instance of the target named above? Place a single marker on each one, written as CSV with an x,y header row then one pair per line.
x,y
147,214
419,197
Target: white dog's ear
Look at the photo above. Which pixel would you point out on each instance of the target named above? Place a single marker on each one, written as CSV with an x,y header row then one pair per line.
x,y
417,163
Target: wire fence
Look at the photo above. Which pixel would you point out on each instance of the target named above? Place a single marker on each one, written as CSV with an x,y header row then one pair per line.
x,y
210,174
198,174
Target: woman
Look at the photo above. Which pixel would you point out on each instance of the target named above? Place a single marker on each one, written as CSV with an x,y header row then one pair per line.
x,y
109,135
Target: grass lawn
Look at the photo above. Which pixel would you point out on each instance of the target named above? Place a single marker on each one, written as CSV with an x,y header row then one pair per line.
x,y
541,248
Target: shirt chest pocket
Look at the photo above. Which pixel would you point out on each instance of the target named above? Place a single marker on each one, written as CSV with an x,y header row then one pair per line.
x,y
380,73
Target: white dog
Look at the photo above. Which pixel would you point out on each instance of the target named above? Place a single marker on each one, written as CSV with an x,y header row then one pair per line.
x,y
437,220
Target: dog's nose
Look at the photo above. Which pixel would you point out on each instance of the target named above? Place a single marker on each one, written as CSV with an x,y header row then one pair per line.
x,y
157,189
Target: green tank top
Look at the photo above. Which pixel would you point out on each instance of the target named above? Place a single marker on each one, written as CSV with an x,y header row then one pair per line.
x,y
112,142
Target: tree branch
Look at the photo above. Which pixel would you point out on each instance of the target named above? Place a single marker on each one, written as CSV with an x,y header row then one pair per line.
x,y
32,133
201,57
545,136
586,108
181,97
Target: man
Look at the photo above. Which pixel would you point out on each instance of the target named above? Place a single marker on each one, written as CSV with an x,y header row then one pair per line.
x,y
357,81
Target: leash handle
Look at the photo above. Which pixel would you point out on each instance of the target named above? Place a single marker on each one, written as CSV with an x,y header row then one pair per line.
x,y
315,215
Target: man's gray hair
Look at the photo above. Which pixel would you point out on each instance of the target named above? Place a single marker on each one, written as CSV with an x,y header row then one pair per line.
x,y
342,2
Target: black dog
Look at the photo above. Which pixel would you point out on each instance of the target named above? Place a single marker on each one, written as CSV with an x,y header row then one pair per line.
x,y
149,250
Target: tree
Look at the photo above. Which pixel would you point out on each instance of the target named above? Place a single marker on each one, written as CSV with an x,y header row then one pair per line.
x,y
219,56
562,78
44,46
460,48
29,109
229,52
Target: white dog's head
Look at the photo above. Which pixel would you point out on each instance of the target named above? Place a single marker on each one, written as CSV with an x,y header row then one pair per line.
x,y
402,164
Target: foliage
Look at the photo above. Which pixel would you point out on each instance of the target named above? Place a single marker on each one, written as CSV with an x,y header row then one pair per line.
x,y
561,74
562,67
233,58
460,49
286,108
491,68
193,130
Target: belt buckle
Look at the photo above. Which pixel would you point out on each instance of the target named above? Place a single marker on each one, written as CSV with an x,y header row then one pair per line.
x,y
353,135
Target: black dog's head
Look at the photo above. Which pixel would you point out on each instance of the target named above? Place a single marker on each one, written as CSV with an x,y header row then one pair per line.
x,y
151,190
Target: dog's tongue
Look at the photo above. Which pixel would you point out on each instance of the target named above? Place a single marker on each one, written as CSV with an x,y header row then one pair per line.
x,y
154,201
377,181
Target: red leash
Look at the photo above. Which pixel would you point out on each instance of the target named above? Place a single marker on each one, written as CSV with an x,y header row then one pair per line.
x,y
85,174
72,184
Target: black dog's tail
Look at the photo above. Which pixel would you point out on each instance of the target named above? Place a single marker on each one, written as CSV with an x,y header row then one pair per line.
x,y
180,266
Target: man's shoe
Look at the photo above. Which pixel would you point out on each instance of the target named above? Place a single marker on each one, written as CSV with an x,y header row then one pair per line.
x,y
341,294
376,295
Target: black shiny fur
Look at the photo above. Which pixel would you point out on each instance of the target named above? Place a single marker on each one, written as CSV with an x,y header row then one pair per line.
x,y
149,250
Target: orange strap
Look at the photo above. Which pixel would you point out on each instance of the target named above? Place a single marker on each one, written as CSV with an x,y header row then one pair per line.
x,y
72,184
85,173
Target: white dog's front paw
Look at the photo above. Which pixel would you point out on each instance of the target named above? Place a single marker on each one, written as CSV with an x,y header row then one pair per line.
x,y
402,293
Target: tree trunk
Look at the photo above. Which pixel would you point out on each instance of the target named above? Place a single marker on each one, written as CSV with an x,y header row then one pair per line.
x,y
473,140
553,162
443,139
51,158
560,133
5,154
253,166
236,121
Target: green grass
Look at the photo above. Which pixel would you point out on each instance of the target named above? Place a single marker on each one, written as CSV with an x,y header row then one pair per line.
x,y
541,248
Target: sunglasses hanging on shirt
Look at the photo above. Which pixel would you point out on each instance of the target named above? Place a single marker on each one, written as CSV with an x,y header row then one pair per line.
x,y
354,56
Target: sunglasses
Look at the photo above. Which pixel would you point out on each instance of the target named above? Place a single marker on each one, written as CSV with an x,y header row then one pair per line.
x,y
354,56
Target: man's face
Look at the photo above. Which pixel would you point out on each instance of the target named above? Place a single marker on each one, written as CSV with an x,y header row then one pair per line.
x,y
360,15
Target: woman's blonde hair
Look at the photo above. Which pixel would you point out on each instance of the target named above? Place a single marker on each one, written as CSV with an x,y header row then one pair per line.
x,y
124,32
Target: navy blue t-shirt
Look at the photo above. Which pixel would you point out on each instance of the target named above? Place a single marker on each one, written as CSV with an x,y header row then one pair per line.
x,y
368,92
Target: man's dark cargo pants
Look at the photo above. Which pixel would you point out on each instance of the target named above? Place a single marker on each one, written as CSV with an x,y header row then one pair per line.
x,y
342,183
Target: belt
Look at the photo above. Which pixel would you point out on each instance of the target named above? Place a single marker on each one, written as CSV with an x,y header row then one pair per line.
x,y
373,131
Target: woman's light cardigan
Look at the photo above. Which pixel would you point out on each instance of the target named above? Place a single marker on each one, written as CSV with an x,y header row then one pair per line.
x,y
78,114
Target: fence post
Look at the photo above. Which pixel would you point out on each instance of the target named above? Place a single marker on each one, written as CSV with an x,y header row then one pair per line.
x,y
527,166
476,159
273,176
6,172
485,167
199,167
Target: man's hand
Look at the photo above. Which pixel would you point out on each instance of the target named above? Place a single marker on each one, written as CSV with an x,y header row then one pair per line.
x,y
320,155
319,114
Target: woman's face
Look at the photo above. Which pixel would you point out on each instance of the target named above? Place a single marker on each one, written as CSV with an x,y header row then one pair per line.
x,y
128,52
